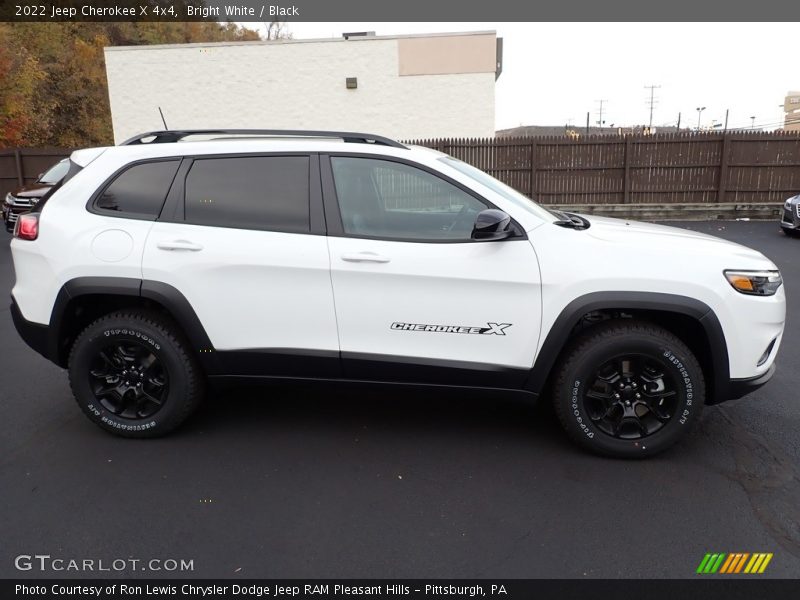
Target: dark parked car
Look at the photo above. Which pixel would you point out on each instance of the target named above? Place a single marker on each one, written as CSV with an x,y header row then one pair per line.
x,y
790,221
25,198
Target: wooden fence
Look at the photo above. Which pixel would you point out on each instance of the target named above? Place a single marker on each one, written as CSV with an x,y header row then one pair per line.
x,y
639,169
708,168
20,166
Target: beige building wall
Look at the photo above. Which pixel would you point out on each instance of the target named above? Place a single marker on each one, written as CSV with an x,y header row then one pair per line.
x,y
791,106
408,87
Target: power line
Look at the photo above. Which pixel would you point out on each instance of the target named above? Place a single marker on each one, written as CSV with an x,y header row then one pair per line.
x,y
789,121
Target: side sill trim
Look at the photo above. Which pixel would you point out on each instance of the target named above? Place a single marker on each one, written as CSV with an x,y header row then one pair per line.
x,y
224,379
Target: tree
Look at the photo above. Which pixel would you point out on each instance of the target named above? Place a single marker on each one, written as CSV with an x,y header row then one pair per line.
x,y
20,76
53,87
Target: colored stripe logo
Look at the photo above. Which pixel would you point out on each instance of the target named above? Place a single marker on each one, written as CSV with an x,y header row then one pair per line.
x,y
737,562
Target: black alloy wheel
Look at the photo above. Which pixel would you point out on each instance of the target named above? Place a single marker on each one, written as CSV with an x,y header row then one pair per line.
x,y
128,380
632,396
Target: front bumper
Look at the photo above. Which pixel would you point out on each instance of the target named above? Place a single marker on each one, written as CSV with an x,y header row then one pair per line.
x,y
11,213
741,387
791,218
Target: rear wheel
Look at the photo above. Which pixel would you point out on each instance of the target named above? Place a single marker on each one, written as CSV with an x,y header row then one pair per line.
x,y
132,374
628,389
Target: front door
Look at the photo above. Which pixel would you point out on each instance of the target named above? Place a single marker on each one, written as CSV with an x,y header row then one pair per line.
x,y
416,298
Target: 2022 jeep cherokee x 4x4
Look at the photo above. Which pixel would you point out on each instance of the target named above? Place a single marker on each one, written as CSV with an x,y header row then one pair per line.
x,y
165,263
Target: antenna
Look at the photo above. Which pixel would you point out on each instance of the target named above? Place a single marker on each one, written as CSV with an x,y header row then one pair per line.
x,y
163,120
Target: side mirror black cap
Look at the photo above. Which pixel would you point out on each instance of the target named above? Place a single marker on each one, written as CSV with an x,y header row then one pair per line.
x,y
491,224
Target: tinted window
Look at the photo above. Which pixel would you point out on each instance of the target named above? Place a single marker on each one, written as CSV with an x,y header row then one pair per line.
x,y
139,191
261,192
380,198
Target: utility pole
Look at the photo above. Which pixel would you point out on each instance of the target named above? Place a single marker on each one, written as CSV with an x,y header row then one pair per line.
x,y
587,123
700,110
752,123
679,122
600,115
652,102
727,110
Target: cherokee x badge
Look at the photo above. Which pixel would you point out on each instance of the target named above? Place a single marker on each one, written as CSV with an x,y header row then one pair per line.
x,y
490,329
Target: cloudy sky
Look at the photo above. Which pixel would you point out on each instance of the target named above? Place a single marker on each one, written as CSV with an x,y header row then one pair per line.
x,y
554,73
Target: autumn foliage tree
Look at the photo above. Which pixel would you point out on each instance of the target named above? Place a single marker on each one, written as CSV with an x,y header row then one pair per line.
x,y
53,88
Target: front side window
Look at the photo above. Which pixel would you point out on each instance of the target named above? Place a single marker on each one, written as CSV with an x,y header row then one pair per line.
x,y
387,199
499,187
253,192
140,190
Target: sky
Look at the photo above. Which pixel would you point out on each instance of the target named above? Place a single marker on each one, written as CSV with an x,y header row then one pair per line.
x,y
554,73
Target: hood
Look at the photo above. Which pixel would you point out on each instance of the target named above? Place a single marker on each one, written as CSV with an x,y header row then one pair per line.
x,y
670,240
32,190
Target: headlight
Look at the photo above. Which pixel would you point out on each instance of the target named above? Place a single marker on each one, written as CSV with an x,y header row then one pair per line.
x,y
788,204
755,283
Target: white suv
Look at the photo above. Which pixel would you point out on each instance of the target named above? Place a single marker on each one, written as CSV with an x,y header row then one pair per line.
x,y
163,264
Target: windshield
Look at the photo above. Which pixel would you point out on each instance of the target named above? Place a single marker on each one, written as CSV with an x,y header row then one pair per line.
x,y
54,174
499,187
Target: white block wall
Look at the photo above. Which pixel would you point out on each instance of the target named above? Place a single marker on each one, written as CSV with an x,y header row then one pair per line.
x,y
294,85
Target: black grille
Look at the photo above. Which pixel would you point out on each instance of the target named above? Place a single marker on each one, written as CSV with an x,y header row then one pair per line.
x,y
20,202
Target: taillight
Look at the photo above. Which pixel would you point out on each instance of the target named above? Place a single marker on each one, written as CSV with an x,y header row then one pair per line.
x,y
27,227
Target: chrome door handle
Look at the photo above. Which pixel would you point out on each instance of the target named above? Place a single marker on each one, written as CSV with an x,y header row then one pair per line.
x,y
365,257
179,245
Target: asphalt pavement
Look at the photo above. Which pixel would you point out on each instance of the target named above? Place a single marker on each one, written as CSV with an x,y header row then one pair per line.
x,y
300,482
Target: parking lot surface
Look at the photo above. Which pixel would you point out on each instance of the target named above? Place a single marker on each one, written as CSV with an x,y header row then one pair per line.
x,y
344,482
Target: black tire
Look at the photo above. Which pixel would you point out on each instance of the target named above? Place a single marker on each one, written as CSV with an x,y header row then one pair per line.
x,y
791,232
646,416
165,389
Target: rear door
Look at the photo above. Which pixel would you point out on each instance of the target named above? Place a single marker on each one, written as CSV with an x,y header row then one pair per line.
x,y
242,238
416,298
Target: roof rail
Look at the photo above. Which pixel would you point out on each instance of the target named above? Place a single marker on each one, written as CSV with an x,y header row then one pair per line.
x,y
169,136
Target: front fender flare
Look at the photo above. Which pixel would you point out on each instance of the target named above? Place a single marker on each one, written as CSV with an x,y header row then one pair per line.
x,y
559,334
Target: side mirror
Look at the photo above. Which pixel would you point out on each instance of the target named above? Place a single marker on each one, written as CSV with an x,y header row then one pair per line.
x,y
492,224
39,176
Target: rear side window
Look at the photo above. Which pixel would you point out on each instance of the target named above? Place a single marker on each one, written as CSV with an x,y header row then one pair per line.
x,y
140,190
253,192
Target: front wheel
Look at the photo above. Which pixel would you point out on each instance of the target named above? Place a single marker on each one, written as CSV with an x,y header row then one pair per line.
x,y
628,389
133,375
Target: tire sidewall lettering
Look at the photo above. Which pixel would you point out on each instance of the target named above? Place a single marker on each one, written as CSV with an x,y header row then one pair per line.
x,y
126,331
576,406
684,378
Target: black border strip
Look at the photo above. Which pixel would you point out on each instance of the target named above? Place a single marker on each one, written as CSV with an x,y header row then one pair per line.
x,y
444,11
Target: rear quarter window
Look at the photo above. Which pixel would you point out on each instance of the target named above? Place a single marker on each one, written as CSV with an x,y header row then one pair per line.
x,y
139,191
